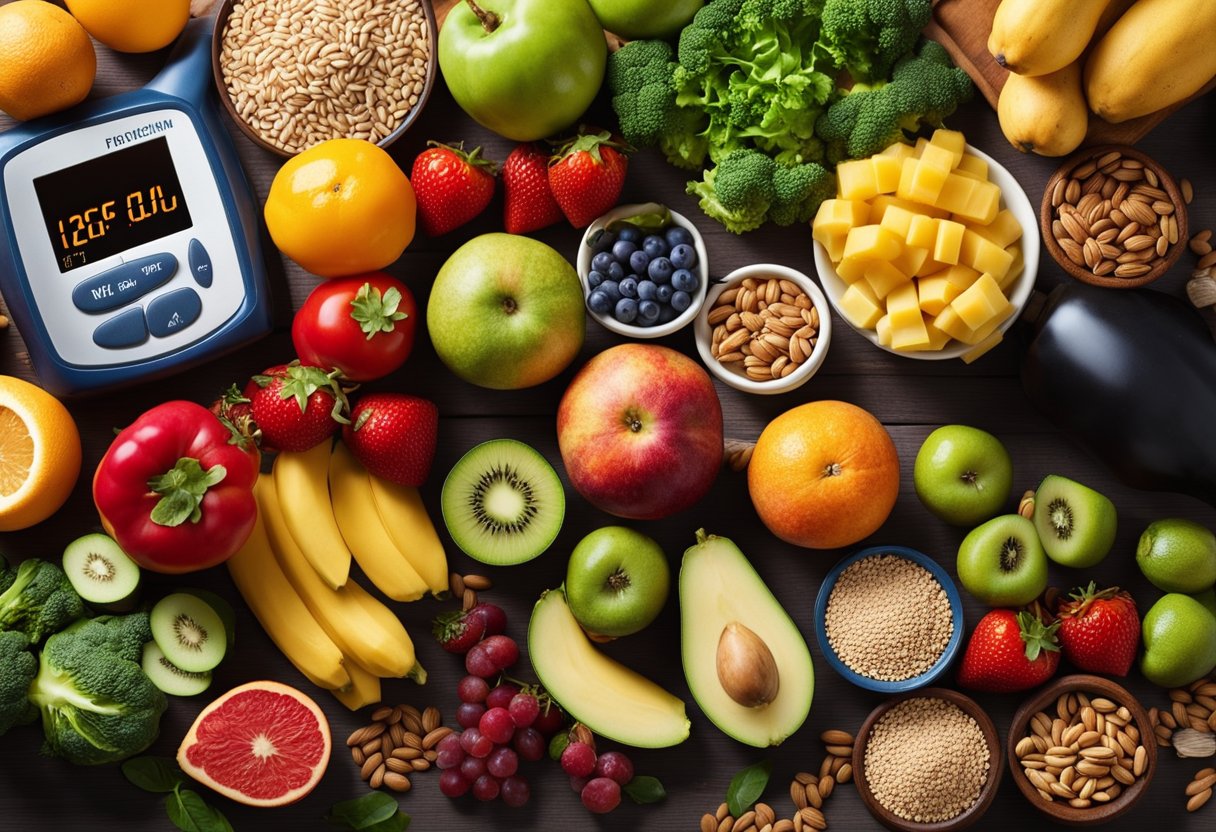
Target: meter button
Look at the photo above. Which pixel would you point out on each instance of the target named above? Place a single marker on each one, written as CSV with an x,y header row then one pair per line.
x,y
122,284
125,329
173,311
200,264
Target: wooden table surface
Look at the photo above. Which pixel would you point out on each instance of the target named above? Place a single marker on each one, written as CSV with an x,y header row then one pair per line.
x,y
910,397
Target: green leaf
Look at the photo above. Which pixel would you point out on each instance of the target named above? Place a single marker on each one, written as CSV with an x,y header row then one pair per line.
x,y
182,488
645,789
153,774
375,312
374,812
747,786
190,813
222,608
558,744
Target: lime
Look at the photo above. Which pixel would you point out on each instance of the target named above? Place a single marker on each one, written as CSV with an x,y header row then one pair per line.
x,y
1178,555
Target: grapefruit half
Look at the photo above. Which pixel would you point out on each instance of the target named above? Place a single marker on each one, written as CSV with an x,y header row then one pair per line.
x,y
261,744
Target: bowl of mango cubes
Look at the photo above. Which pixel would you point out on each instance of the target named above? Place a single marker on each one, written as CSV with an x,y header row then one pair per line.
x,y
930,251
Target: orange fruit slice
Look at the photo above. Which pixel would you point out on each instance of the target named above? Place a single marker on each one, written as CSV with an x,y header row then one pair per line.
x,y
132,25
39,454
47,62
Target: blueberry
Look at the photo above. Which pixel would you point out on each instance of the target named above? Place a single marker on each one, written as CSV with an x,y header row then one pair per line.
x,y
683,256
679,301
629,233
660,270
629,287
599,303
647,290
622,249
594,279
666,313
616,271
654,245
601,261
682,280
663,293
678,235
638,261
648,312
612,289
626,310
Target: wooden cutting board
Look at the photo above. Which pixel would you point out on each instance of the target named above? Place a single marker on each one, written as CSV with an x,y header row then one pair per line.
x,y
963,26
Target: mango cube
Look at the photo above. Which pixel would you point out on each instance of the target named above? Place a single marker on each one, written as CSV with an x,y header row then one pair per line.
x,y
982,348
980,303
1015,268
936,156
927,179
978,335
949,241
950,323
922,232
1004,230
937,338
883,329
873,242
903,306
880,204
899,150
898,220
919,147
852,269
950,140
935,292
931,266
883,277
957,192
984,204
961,277
984,255
911,260
973,166
910,336
886,173
856,180
859,305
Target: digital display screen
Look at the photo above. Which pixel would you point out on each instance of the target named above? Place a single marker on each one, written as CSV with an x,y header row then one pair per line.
x,y
112,203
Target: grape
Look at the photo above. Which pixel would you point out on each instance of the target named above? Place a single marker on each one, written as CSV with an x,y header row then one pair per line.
x,y
615,766
524,709
600,795
515,792
550,720
579,783
478,662
472,689
449,753
503,762
452,783
578,760
492,616
529,744
472,768
497,725
475,744
486,788
501,650
469,714
502,695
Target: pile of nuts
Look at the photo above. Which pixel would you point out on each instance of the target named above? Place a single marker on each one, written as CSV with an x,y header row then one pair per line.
x,y
1189,725
1112,217
1088,753
464,588
767,327
400,741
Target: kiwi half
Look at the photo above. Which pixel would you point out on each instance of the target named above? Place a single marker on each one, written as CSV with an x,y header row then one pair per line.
x,y
1076,524
503,503
101,572
189,632
169,677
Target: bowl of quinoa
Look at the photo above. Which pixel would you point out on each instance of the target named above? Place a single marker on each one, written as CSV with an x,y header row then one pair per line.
x,y
889,619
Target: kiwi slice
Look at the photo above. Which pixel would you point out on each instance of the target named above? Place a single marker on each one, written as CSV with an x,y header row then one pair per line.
x,y
1076,524
169,677
503,503
189,632
101,572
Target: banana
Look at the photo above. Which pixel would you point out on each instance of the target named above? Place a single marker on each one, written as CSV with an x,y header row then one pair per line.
x,y
364,687
301,480
376,640
411,530
283,614
1034,37
355,511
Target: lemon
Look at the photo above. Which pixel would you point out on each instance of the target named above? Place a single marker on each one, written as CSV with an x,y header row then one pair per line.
x,y
47,62
39,453
1178,555
132,25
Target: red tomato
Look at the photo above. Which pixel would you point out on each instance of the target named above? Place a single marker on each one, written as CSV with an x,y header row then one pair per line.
x,y
362,326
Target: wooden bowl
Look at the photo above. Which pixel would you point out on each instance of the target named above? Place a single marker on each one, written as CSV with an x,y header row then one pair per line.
x,y
432,70
996,764
1083,273
1045,700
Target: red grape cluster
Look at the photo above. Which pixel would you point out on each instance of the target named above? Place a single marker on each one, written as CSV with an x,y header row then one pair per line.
x,y
597,779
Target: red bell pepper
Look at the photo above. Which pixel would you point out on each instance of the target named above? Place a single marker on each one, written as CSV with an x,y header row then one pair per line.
x,y
176,490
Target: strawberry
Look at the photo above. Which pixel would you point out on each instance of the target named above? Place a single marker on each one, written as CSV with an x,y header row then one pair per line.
x,y
587,175
528,204
1010,651
295,407
1100,630
393,435
452,186
458,631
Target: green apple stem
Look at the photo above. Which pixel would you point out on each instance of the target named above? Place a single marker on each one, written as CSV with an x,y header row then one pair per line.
x,y
489,20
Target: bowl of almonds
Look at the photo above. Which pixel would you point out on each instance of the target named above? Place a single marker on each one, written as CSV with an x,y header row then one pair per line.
x,y
764,329
1113,217
1082,750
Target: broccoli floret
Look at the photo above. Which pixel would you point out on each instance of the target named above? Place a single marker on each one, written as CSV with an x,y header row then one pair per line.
x,y
39,600
644,98
97,704
748,188
867,37
17,669
925,88
799,189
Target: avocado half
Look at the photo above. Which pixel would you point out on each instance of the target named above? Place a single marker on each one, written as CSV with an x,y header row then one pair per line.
x,y
609,698
719,587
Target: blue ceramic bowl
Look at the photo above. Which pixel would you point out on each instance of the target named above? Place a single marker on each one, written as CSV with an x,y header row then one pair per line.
x,y
956,613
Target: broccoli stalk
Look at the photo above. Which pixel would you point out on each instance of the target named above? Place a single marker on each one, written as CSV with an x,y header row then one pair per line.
x,y
17,669
747,189
39,600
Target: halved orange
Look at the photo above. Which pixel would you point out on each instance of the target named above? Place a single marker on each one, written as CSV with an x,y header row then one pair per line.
x,y
39,454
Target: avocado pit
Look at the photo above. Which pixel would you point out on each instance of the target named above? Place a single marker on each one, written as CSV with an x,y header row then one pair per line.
x,y
746,667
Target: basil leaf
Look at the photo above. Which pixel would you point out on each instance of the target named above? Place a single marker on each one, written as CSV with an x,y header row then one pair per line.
x,y
153,774
645,789
190,813
374,812
747,786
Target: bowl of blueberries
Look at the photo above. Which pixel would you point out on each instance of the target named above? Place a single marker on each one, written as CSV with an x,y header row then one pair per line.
x,y
643,269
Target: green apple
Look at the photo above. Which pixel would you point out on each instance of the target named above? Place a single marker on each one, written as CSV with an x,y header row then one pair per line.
x,y
506,312
1179,641
637,19
616,581
1208,599
525,69
963,474
1002,562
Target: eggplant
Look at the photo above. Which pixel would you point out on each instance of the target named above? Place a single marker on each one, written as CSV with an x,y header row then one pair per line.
x,y
1130,375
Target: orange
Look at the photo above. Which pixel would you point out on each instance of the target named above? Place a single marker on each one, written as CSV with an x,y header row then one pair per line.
x,y
340,208
132,25
47,62
39,454
824,475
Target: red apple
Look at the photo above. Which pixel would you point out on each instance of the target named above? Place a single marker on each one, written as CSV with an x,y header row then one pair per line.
x,y
640,431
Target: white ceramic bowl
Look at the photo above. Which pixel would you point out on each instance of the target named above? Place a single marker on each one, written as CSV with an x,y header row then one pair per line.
x,y
733,374
1013,198
583,265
